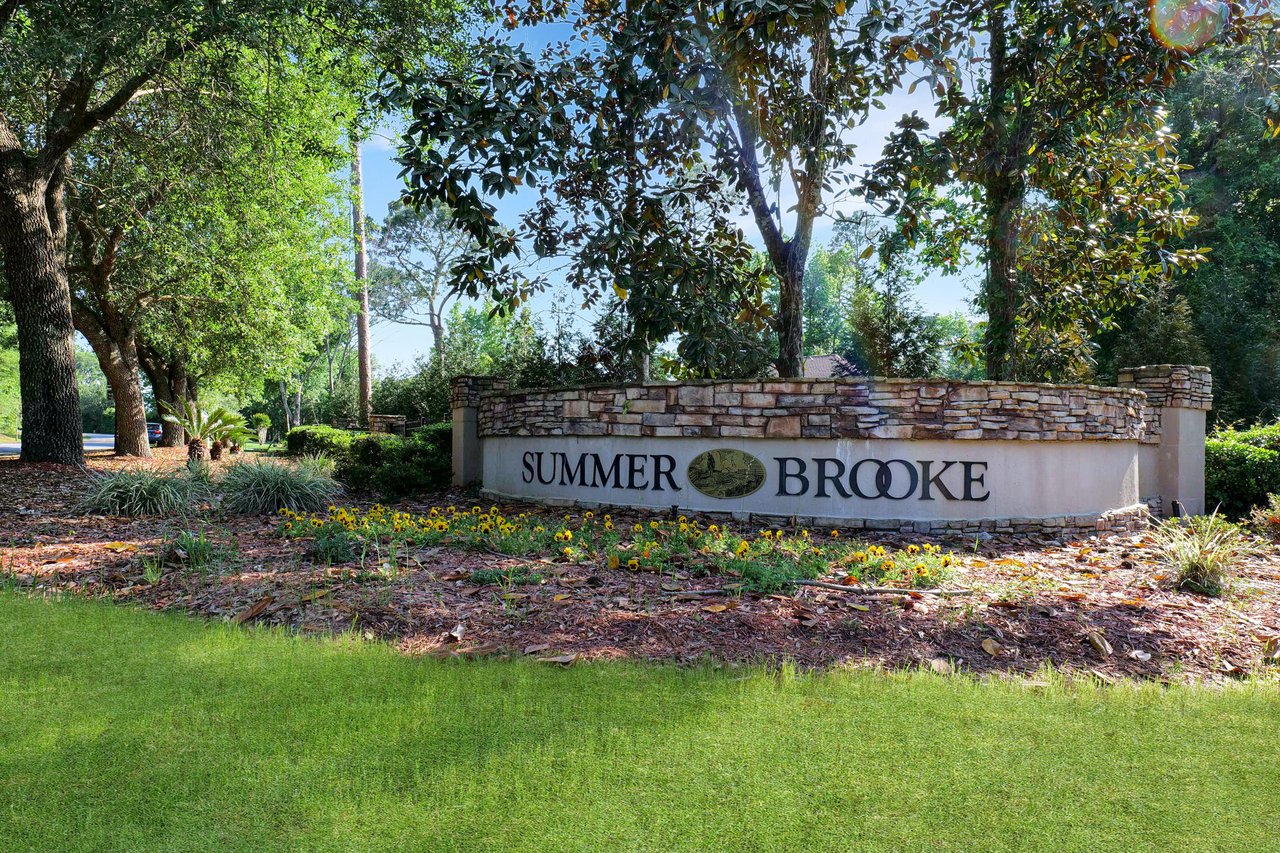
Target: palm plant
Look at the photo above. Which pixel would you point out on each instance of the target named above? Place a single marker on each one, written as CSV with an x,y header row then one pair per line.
x,y
203,428
231,431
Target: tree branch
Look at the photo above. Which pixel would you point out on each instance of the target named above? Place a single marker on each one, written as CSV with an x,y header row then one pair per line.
x,y
8,9
61,139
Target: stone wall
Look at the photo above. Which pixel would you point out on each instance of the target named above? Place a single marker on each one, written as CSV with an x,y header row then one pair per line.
x,y
1177,386
822,408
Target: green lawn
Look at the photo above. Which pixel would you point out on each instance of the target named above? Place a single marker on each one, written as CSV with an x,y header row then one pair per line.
x,y
123,730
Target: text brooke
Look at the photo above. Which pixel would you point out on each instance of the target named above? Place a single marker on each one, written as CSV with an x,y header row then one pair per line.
x,y
893,479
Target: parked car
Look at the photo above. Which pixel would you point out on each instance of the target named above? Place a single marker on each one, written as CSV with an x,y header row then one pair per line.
x,y
154,431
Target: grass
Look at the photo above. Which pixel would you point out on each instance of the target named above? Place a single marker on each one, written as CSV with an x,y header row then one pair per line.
x,y
124,730
1202,551
260,486
141,491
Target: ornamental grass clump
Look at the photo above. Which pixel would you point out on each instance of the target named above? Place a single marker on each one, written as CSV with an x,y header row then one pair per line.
x,y
1202,551
263,486
141,491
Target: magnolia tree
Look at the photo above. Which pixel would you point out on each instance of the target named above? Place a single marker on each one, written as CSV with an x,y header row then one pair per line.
x,y
646,136
652,131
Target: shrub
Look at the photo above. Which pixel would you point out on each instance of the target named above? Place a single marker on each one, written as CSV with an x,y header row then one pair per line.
x,y
395,467
264,486
141,491
1202,551
1239,475
1266,519
319,438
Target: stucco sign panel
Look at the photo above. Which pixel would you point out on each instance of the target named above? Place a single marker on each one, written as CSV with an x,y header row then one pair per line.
x,y
843,478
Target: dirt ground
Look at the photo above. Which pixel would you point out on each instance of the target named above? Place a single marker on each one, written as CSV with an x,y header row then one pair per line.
x,y
1102,606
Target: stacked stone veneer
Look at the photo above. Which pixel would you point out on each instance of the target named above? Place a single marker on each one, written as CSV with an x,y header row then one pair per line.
x,y
1176,386
840,408
857,408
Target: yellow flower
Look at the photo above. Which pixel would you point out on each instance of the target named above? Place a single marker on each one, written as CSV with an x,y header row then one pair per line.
x,y
568,536
588,515
654,525
682,518
913,549
608,525
743,547
860,556
613,561
568,552
633,563
713,529
636,528
684,528
767,534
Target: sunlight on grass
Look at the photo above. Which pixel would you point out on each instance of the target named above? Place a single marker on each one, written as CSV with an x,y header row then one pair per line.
x,y
124,730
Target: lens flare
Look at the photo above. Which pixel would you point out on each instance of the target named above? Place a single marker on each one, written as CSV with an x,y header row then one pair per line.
x,y
1187,25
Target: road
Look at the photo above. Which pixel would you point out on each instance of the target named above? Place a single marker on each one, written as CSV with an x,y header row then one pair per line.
x,y
92,441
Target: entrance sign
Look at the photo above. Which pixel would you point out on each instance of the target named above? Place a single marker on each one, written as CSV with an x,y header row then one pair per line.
x,y
922,455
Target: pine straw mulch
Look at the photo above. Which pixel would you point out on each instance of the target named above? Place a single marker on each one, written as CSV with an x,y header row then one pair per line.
x,y
1099,606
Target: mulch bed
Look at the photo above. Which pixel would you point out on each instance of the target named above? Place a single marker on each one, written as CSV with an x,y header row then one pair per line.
x,y
1100,606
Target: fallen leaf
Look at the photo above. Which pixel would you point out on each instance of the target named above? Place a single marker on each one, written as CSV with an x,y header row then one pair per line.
x,y
1140,655
536,647
1099,643
120,547
563,660
456,634
942,666
716,608
992,647
254,610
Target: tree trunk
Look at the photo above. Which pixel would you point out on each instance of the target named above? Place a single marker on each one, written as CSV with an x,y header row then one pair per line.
x,y
33,237
1002,292
362,283
1005,189
168,380
117,354
790,362
437,338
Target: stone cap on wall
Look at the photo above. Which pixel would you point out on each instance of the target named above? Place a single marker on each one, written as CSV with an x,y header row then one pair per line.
x,y
855,407
1172,386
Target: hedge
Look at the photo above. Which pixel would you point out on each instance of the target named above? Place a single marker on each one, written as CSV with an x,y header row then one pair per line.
x,y
386,464
319,438
1242,467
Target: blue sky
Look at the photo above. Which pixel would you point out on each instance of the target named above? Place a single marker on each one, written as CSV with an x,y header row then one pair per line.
x,y
397,345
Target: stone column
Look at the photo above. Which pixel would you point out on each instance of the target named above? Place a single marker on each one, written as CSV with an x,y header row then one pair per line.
x,y
465,398
1171,463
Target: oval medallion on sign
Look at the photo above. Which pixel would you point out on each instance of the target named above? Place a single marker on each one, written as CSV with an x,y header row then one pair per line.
x,y
726,473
